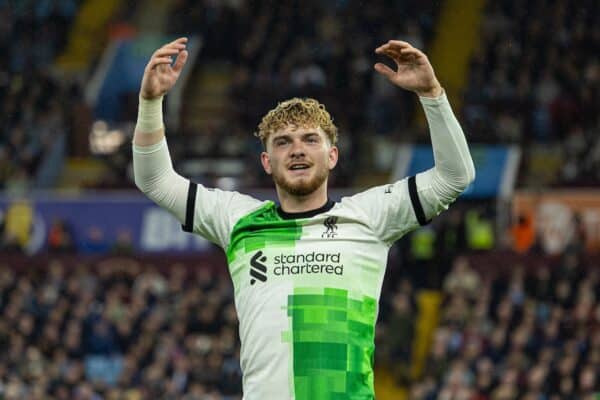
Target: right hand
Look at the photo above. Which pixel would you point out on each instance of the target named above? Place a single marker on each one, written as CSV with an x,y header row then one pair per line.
x,y
160,75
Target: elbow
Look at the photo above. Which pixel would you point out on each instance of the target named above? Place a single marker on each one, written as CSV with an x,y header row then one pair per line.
x,y
143,182
139,181
457,182
467,178
469,174
149,188
141,186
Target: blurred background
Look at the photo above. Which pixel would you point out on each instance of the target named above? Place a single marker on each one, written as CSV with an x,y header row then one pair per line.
x,y
102,296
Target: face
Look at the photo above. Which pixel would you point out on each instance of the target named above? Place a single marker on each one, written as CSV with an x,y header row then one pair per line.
x,y
299,159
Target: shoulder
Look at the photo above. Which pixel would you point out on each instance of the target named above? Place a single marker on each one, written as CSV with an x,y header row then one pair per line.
x,y
378,193
218,204
239,205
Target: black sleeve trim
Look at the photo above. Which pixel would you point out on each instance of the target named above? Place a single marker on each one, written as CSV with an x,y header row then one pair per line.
x,y
416,203
190,207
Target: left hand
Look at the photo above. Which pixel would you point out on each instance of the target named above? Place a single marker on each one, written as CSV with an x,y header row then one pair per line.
x,y
414,72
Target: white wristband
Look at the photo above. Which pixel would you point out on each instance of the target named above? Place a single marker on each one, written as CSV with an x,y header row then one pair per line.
x,y
150,115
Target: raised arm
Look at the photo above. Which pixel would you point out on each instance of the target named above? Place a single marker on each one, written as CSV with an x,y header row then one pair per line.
x,y
159,77
152,166
454,169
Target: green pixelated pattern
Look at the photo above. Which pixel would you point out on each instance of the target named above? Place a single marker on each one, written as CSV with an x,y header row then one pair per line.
x,y
257,230
332,338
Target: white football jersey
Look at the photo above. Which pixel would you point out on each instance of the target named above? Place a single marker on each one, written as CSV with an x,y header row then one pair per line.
x,y
307,285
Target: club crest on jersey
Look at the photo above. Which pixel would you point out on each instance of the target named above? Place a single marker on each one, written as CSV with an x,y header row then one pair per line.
x,y
258,270
330,227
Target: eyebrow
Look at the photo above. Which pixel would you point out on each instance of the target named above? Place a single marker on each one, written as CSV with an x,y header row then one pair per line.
x,y
307,134
304,135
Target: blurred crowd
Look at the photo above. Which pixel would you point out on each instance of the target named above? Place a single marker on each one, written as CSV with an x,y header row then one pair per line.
x,y
318,49
36,104
522,333
521,86
117,330
120,329
536,79
307,48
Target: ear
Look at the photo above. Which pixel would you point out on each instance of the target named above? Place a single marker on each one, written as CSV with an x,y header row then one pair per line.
x,y
333,157
265,160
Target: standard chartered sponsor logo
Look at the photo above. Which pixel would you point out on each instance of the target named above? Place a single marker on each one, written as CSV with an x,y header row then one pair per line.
x,y
258,270
308,263
295,264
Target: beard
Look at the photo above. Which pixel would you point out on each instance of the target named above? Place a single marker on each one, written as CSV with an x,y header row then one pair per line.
x,y
301,187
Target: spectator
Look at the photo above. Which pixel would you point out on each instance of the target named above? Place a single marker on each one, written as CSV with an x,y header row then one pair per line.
x,y
95,242
124,243
462,279
60,238
523,234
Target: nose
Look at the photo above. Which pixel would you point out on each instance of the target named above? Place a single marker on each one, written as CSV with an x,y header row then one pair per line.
x,y
297,149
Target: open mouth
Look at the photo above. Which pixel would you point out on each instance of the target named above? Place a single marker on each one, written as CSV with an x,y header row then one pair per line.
x,y
299,166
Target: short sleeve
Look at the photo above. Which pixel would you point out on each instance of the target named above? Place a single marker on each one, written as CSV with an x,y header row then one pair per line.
x,y
212,213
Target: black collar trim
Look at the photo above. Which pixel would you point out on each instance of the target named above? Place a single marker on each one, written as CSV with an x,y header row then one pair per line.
x,y
306,214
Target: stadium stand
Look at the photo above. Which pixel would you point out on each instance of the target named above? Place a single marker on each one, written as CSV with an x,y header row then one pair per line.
x,y
117,329
523,90
291,49
138,327
281,56
36,118
526,334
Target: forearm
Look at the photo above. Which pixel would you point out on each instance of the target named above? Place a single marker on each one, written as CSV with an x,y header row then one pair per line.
x,y
152,166
454,169
453,162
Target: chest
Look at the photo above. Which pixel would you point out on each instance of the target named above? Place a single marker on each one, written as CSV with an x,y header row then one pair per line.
x,y
330,250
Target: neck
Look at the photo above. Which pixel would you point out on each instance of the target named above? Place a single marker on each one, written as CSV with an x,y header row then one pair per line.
x,y
293,204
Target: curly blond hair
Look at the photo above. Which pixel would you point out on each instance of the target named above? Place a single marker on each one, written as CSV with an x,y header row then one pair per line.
x,y
298,112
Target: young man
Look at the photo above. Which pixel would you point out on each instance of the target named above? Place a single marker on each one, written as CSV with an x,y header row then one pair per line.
x,y
307,273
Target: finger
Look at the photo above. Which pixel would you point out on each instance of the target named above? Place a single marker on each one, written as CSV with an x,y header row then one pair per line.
x,y
399,44
179,44
163,52
389,50
181,40
393,53
382,48
404,55
412,51
412,54
384,70
180,61
159,61
175,46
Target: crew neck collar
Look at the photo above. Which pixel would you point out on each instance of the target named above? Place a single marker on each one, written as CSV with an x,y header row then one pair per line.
x,y
306,214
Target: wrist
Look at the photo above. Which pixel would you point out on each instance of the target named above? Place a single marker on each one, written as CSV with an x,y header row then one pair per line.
x,y
150,115
434,91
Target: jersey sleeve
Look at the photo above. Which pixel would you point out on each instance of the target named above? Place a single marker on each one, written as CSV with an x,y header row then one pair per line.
x,y
395,209
392,210
212,213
